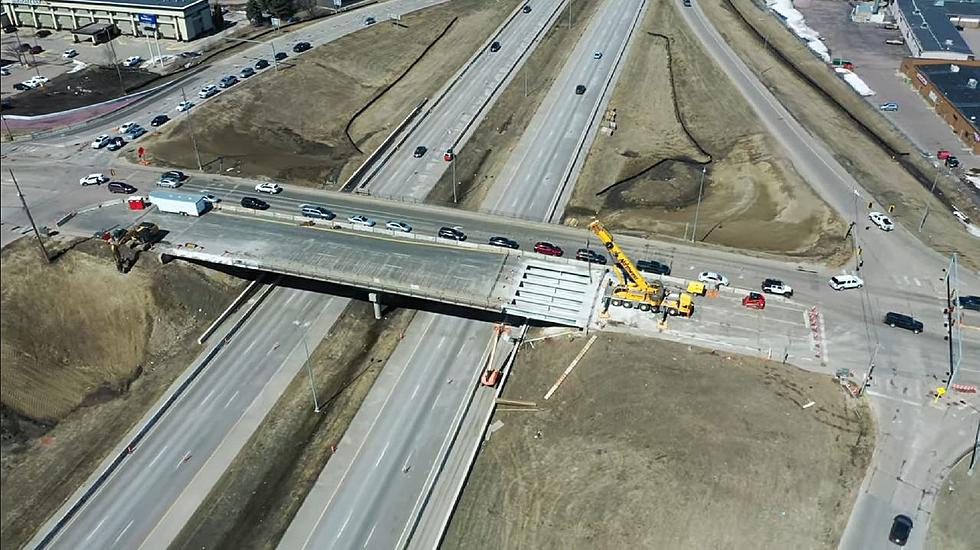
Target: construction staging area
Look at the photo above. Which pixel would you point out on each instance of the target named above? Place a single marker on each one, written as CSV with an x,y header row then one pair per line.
x,y
467,274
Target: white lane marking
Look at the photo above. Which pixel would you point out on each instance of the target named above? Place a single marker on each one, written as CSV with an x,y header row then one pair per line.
x,y
917,282
368,539
156,458
208,398
416,390
121,533
344,526
441,342
382,455
230,399
884,396
90,535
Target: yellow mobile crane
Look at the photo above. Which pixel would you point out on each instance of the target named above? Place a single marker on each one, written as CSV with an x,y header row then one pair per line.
x,y
633,289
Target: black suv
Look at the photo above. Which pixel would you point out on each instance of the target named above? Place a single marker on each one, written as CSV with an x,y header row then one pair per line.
x,y
591,256
907,322
159,120
653,266
120,187
301,47
495,47
254,203
526,8
901,529
504,242
580,89
420,151
970,302
452,233
281,55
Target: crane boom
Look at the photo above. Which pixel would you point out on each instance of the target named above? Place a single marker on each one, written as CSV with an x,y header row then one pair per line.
x,y
621,259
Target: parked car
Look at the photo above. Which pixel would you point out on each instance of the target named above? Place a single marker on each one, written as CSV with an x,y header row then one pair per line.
x,y
314,211
184,106
712,278
8,29
881,220
754,300
22,87
172,179
396,225
890,106
36,50
69,53
246,72
120,187
453,233
101,141
159,120
548,249
901,529
132,61
261,64
228,81
846,282
93,179
127,126
952,161
254,203
281,55
504,242
420,151
970,302
580,89
358,219
135,132
900,320
24,47
208,91
591,256
116,144
961,216
301,47
895,42
495,47
653,266
775,286
268,187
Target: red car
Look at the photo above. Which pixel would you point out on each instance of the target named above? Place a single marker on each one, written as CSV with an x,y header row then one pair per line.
x,y
942,154
754,300
547,249
448,157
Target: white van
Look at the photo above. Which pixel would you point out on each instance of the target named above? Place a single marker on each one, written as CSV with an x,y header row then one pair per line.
x,y
845,282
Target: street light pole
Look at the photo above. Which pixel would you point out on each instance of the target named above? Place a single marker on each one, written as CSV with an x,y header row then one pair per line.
x,y
115,63
30,218
697,210
309,370
190,126
932,189
454,177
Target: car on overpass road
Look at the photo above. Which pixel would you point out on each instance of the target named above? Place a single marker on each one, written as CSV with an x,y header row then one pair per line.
x,y
396,225
548,249
358,219
504,242
712,278
268,187
254,203
453,233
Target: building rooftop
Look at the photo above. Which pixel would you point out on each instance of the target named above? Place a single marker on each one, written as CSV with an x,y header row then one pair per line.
x,y
953,83
159,4
929,22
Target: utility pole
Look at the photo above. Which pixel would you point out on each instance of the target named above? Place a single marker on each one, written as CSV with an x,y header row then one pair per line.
x,y
454,177
697,211
190,126
115,63
37,234
309,370
932,189
871,370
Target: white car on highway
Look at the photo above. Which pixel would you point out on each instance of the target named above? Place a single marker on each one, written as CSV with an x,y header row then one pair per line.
x,y
358,219
882,221
268,187
712,278
93,179
846,282
101,141
399,226
184,106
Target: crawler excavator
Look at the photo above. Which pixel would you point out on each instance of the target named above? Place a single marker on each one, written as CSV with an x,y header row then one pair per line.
x,y
139,237
633,289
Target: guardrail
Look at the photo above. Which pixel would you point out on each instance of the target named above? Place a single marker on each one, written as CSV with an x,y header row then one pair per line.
x,y
147,426
366,165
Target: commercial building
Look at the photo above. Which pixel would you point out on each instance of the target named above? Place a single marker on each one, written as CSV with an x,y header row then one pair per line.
x,y
174,19
929,27
951,88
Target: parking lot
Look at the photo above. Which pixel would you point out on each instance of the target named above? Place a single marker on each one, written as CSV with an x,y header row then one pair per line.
x,y
877,63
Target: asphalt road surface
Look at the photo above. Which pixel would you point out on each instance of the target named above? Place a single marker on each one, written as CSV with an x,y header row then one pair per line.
x,y
460,107
902,476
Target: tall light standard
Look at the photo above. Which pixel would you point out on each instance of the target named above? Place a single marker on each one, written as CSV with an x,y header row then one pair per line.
x,y
697,210
453,163
309,371
190,125
932,189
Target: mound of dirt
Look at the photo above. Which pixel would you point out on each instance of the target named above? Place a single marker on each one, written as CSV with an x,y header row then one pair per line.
x,y
676,114
91,85
292,124
85,352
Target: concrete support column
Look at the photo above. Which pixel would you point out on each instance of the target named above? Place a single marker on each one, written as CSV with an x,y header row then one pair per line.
x,y
375,298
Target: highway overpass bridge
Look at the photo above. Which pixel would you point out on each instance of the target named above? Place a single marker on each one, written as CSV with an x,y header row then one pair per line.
x,y
511,282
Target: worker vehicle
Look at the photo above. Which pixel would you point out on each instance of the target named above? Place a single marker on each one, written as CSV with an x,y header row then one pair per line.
x,y
653,266
633,290
697,288
101,141
116,144
179,203
127,243
775,286
754,300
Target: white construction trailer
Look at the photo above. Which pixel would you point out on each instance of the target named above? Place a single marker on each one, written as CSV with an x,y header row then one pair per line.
x,y
179,203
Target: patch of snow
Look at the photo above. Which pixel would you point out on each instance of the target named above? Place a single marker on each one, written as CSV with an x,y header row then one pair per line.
x,y
79,65
854,81
795,21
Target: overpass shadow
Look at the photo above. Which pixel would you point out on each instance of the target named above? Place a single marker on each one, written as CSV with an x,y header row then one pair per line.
x,y
388,301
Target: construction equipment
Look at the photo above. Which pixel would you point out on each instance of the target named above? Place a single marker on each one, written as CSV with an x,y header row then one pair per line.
x,y
633,289
139,237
